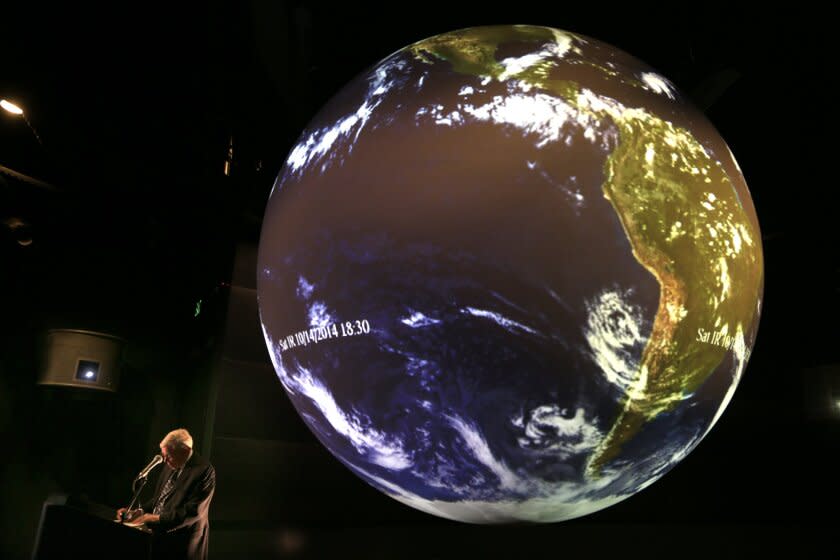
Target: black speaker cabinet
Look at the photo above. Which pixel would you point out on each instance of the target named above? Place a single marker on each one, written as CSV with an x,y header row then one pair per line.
x,y
77,358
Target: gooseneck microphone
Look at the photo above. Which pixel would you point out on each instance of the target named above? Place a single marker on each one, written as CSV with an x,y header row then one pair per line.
x,y
156,460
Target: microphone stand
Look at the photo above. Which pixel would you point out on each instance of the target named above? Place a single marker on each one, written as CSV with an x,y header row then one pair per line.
x,y
136,489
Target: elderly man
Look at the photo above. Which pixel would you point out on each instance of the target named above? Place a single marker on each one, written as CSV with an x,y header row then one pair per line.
x,y
178,510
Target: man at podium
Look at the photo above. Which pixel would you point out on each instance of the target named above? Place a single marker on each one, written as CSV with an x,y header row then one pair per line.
x,y
177,512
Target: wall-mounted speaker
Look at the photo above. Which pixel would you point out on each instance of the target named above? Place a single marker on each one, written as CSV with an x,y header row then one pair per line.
x,y
79,358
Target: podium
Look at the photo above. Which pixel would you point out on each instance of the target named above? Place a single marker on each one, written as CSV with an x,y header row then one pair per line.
x,y
72,528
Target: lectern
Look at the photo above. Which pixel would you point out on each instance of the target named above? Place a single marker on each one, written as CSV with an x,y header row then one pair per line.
x,y
76,529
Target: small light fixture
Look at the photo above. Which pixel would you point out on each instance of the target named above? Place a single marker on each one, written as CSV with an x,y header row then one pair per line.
x,y
87,370
11,107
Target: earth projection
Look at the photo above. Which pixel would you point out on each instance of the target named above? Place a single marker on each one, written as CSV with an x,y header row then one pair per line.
x,y
510,274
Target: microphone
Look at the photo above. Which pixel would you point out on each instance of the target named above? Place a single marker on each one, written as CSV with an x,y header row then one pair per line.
x,y
156,460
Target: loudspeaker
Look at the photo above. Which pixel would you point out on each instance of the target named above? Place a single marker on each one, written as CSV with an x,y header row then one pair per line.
x,y
79,358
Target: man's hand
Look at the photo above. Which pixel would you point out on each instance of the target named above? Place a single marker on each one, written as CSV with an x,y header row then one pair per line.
x,y
145,519
124,514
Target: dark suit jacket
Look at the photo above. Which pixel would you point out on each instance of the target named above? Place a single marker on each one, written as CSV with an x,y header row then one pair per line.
x,y
184,527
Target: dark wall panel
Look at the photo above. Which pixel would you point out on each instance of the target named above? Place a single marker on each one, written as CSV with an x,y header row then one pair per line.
x,y
262,482
243,338
252,403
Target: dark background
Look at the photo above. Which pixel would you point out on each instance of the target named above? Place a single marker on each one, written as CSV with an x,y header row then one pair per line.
x,y
125,219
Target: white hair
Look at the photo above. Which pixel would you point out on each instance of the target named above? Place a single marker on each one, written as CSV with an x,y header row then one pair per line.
x,y
179,438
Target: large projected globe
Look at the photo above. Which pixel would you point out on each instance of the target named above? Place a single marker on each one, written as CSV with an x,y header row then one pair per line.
x,y
510,273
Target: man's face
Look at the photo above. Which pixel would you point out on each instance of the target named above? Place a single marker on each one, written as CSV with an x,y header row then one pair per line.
x,y
174,456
